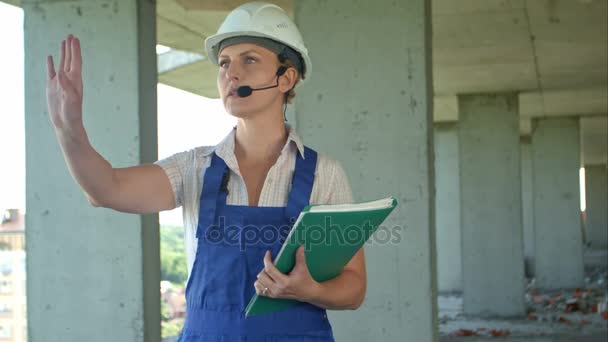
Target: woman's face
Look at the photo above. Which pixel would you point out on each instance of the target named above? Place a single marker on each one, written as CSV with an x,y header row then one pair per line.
x,y
251,65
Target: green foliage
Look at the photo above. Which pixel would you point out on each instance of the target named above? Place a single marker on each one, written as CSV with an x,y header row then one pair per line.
x,y
172,268
172,255
164,311
170,329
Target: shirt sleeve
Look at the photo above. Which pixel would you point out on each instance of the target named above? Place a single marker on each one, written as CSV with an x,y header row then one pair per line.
x,y
174,166
341,192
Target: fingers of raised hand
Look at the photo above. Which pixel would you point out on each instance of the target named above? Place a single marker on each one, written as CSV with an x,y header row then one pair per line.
x,y
50,67
71,57
61,66
68,53
76,55
70,61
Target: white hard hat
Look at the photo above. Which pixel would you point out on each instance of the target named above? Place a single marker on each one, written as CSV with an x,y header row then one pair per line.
x,y
259,19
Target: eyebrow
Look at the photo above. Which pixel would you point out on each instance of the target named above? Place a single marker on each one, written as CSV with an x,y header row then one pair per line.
x,y
243,53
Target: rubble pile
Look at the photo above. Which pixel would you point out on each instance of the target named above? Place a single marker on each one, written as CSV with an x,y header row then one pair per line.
x,y
580,306
480,332
567,313
567,307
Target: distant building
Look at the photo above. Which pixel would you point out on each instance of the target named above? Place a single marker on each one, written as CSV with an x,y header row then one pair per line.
x,y
13,316
12,230
174,298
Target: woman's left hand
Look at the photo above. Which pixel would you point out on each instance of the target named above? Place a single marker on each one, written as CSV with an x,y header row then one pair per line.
x,y
298,284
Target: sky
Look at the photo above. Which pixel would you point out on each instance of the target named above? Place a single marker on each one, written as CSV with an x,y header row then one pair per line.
x,y
185,120
12,126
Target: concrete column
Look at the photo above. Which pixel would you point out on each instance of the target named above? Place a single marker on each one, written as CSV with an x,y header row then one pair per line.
x,y
558,244
491,214
527,204
596,190
447,199
376,119
92,274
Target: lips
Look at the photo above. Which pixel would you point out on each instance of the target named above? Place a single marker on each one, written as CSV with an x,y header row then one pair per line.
x,y
232,92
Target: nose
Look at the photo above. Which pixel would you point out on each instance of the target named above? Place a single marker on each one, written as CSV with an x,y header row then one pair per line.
x,y
233,72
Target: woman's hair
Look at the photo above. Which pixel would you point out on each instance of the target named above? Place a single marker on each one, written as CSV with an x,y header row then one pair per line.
x,y
291,93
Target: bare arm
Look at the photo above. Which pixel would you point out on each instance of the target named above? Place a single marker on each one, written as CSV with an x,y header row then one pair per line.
x,y
346,291
138,189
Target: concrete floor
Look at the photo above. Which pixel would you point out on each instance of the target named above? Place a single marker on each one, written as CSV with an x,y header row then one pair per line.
x,y
547,329
550,321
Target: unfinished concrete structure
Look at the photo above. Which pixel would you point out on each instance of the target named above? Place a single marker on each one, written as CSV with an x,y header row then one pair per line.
x,y
501,70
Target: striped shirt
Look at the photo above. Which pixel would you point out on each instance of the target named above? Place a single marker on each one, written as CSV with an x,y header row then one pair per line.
x,y
186,172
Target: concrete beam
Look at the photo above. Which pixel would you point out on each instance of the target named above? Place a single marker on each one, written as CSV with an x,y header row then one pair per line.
x,y
445,108
13,2
173,59
227,5
449,7
181,78
525,127
171,33
573,102
576,102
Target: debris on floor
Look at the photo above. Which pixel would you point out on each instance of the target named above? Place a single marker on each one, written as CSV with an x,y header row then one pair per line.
x,y
574,312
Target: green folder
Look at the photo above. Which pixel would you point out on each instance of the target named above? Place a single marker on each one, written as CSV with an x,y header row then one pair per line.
x,y
331,235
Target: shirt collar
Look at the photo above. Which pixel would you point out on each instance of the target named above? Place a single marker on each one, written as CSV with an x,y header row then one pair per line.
x,y
295,138
225,149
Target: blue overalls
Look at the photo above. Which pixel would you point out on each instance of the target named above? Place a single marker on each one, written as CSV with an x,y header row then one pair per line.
x,y
232,240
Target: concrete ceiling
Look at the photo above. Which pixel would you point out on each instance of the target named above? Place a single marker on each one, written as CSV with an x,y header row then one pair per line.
x,y
479,46
553,52
518,45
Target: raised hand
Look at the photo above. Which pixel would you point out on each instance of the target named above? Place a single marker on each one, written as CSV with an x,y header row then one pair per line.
x,y
64,87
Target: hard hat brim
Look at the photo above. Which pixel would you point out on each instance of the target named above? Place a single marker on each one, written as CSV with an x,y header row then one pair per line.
x,y
212,44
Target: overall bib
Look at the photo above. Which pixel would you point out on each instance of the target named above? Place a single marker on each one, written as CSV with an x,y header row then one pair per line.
x,y
232,240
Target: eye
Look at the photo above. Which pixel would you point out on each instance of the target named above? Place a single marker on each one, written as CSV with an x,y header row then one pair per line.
x,y
223,64
249,60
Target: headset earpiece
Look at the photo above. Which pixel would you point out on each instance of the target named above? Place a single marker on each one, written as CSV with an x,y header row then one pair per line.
x,y
282,68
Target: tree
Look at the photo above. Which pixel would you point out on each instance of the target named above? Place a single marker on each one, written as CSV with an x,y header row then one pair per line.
x,y
172,255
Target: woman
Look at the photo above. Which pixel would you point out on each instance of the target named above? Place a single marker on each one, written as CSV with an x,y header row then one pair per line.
x,y
260,175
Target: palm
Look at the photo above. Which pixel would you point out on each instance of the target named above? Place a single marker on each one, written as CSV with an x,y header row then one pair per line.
x,y
64,88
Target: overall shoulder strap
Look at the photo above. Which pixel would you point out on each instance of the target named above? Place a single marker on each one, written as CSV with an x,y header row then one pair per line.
x,y
301,183
211,193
